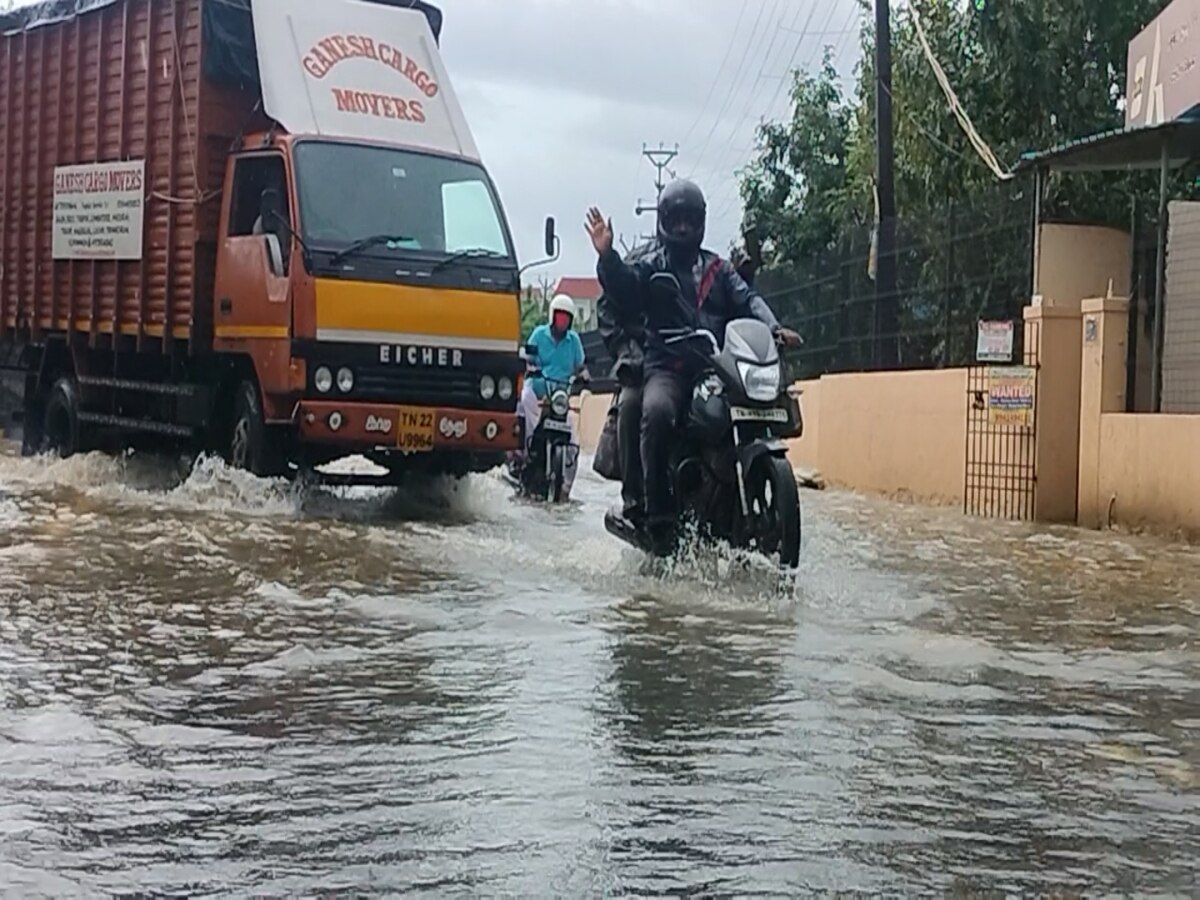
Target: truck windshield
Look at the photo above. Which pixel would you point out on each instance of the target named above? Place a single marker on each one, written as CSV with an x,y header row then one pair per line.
x,y
439,206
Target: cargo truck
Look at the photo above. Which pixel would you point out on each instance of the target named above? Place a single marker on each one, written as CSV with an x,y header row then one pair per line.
x,y
254,227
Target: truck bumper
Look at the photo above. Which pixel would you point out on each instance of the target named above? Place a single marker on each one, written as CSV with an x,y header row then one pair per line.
x,y
409,429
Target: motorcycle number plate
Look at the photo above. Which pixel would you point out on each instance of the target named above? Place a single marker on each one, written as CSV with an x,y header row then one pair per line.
x,y
742,414
556,425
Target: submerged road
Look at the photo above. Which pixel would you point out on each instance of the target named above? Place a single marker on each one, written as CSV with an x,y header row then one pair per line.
x,y
216,687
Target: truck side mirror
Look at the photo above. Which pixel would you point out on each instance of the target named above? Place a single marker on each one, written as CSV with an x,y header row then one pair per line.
x,y
551,237
271,209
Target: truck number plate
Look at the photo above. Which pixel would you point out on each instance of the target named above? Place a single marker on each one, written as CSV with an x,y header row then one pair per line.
x,y
742,414
414,429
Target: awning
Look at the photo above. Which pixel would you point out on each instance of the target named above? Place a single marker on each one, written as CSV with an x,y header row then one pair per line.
x,y
1122,149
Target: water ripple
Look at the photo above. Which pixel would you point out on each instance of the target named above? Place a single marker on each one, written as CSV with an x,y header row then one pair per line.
x,y
212,685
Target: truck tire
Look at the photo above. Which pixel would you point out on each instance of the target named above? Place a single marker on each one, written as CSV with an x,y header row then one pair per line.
x,y
253,445
61,432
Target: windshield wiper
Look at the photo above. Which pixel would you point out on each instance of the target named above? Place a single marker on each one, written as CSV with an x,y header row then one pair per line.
x,y
364,243
471,253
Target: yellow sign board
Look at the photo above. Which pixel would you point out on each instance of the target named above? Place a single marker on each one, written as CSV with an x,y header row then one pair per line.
x,y
1011,395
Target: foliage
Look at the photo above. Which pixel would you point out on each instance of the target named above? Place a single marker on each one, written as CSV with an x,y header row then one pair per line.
x,y
1030,75
533,311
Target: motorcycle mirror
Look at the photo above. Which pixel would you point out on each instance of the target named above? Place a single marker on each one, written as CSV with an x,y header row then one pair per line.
x,y
551,236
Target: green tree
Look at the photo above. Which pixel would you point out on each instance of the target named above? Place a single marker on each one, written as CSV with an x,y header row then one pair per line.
x,y
533,312
1030,75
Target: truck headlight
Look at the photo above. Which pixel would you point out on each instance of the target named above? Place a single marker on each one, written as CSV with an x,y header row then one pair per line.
x,y
345,380
559,403
761,382
505,388
323,379
487,387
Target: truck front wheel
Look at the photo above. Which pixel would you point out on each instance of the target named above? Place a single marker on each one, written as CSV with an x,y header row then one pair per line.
x,y
253,445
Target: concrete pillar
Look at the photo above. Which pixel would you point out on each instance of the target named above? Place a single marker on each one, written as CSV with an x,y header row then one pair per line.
x,y
1053,338
1102,390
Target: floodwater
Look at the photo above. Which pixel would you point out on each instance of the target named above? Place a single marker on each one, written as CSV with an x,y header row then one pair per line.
x,y
215,687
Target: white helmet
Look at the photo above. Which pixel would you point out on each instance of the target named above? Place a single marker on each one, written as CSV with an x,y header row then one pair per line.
x,y
562,303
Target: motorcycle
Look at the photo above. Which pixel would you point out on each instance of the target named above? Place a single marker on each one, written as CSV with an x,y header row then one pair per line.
x,y
551,450
729,473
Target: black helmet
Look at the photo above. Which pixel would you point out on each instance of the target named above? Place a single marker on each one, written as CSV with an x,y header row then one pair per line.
x,y
681,216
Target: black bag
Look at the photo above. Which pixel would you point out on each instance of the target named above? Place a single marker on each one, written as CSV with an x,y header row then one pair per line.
x,y
607,461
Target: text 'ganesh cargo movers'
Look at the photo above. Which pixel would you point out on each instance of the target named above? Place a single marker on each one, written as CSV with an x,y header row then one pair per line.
x,y
253,227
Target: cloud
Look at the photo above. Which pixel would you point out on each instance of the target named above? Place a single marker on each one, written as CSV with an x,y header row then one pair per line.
x,y
562,94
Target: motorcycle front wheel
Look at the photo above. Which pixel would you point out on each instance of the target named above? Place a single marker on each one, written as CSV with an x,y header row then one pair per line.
x,y
774,501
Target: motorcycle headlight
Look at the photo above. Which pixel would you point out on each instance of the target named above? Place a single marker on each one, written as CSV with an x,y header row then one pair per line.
x,y
487,387
559,403
505,388
345,380
761,382
323,380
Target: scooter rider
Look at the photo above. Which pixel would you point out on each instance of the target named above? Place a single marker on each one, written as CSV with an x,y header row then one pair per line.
x,y
557,352
713,294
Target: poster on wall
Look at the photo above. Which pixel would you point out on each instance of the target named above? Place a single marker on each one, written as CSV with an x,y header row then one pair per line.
x,y
1011,393
994,342
98,210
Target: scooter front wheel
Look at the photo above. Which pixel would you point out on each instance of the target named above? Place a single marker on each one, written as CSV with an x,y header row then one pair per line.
x,y
557,474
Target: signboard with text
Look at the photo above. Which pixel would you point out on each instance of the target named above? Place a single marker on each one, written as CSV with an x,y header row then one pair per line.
x,y
1162,77
1011,394
359,70
99,210
994,342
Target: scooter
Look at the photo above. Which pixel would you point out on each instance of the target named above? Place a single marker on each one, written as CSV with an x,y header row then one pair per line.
x,y
551,451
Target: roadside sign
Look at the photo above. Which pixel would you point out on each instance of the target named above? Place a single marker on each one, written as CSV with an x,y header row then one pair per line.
x,y
1011,393
994,342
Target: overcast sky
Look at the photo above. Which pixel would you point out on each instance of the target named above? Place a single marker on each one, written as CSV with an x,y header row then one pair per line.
x,y
561,95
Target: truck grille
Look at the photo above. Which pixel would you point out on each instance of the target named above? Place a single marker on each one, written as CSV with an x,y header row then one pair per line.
x,y
419,387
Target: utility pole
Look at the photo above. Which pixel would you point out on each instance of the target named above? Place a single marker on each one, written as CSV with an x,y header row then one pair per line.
x,y
660,158
886,300
547,286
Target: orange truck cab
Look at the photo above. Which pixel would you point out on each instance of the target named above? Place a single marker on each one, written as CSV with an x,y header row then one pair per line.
x,y
319,266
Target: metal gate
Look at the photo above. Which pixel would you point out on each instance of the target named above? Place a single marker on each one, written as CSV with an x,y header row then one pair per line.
x,y
1002,412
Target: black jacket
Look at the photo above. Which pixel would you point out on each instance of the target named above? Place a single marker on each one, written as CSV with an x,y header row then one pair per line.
x,y
622,324
627,286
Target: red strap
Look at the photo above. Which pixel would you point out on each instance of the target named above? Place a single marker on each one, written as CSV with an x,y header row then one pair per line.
x,y
706,282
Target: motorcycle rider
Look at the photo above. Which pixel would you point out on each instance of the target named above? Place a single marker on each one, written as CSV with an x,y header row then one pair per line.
x,y
557,352
622,327
713,294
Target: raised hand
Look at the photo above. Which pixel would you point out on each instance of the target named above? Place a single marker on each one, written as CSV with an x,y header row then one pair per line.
x,y
600,230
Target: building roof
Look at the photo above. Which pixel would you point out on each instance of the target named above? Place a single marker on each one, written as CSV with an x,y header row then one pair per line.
x,y
1122,149
579,288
